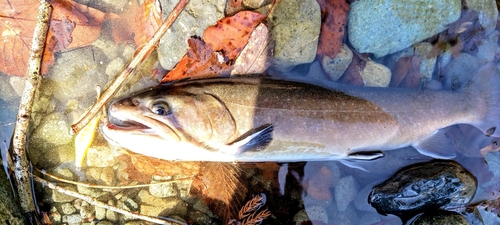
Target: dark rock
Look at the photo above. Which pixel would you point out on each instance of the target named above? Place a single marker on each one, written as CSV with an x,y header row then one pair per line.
x,y
440,217
423,187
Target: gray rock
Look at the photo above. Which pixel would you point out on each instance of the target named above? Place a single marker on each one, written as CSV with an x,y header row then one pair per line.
x,y
87,210
75,75
68,208
193,20
489,47
101,156
111,215
317,213
345,192
295,26
162,189
8,93
487,12
10,212
337,66
375,75
104,175
460,69
59,197
17,84
105,223
383,27
255,4
114,67
493,160
422,50
53,129
72,219
100,213
150,205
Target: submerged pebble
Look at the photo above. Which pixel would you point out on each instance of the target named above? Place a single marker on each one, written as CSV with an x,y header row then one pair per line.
x,y
422,187
295,27
336,67
375,75
370,22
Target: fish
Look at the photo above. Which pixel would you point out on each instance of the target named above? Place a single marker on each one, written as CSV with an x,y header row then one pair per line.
x,y
256,119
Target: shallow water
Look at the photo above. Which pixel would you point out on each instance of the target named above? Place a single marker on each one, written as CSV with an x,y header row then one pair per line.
x,y
324,192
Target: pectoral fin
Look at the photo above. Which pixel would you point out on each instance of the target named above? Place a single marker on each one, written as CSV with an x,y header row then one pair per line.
x,y
436,145
254,139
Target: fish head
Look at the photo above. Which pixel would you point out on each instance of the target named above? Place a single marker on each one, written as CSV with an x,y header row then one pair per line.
x,y
168,117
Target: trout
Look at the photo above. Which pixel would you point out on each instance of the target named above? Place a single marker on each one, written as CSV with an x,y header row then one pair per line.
x,y
264,119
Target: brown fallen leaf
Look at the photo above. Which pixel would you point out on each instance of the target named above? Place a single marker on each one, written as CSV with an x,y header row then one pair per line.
x,y
222,187
138,23
72,25
352,74
334,20
464,34
406,72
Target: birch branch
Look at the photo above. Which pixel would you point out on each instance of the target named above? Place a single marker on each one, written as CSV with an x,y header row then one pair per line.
x,y
33,78
139,57
95,202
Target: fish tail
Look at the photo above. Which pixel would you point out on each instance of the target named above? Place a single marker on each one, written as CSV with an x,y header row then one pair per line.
x,y
483,90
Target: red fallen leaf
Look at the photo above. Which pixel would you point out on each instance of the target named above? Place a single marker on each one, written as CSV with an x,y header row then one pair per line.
x,y
139,22
334,16
406,72
221,45
72,25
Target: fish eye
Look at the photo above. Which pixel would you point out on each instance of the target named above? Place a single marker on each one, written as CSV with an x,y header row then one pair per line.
x,y
160,109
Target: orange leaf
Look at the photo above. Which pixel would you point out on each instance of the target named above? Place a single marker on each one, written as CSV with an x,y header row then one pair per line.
x,y
334,17
72,25
230,34
221,45
139,22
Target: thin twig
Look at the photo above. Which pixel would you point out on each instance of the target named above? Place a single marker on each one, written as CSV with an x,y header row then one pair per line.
x,y
105,186
139,57
33,78
95,202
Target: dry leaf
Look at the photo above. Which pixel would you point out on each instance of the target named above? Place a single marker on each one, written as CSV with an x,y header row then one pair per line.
x,y
221,187
72,25
215,54
406,72
352,74
138,23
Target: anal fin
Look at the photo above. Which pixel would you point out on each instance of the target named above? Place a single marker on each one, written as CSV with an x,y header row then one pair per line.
x,y
254,139
436,145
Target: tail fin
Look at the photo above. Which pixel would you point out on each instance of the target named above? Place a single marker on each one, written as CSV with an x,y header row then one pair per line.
x,y
483,90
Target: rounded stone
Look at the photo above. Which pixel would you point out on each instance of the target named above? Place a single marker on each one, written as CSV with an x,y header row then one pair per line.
x,y
336,67
440,218
382,27
295,27
423,187
376,75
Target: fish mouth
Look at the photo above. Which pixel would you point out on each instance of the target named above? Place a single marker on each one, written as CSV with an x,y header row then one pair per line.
x,y
142,124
